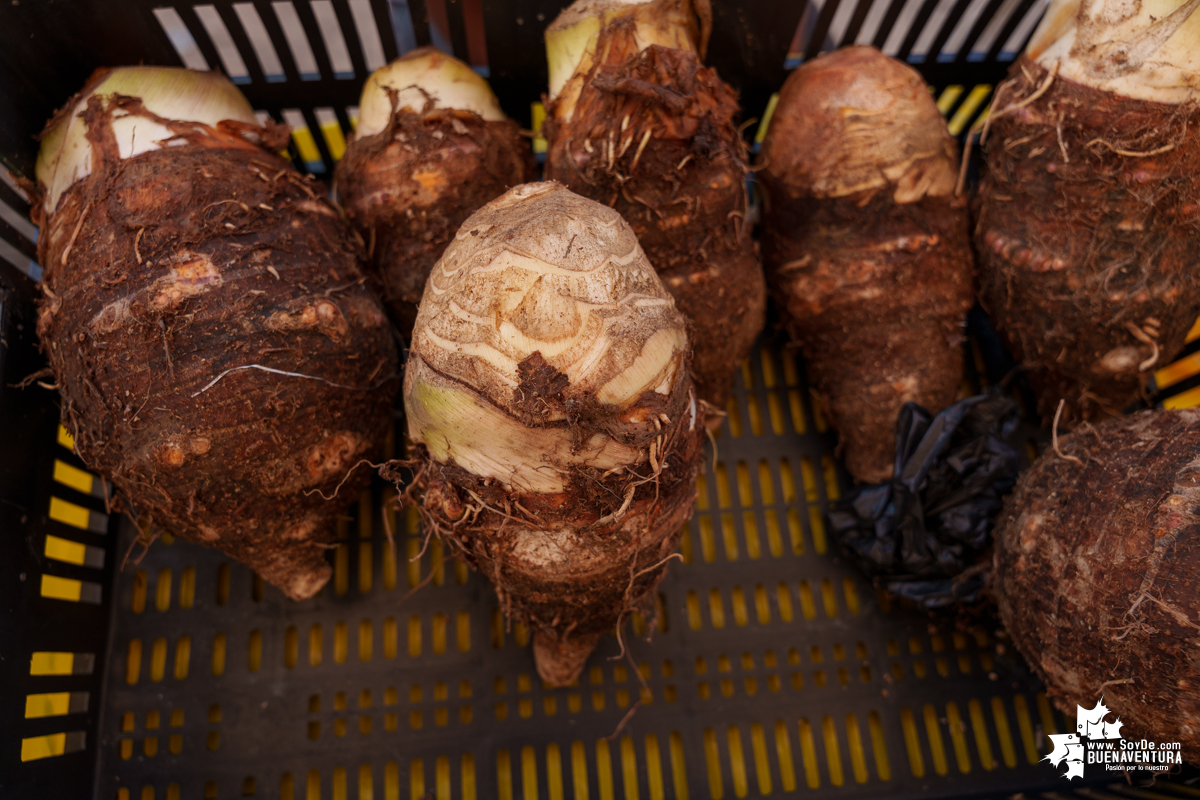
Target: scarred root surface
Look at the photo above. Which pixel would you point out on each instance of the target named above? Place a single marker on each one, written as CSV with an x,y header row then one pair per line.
x,y
555,432
1095,572
220,358
408,188
1087,237
867,248
653,135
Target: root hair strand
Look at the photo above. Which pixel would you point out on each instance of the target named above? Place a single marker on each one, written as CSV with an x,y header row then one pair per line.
x,y
1054,435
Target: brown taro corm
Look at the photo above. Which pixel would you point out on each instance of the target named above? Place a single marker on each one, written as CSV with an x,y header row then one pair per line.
x,y
222,361
635,120
866,244
431,147
555,430
1095,572
1087,222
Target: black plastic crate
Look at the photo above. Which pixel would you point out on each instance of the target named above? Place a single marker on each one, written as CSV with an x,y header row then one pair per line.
x,y
775,668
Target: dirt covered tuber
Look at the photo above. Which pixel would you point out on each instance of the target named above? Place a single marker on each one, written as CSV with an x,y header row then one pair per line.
x,y
203,309
867,245
1087,232
1095,572
432,146
635,120
555,432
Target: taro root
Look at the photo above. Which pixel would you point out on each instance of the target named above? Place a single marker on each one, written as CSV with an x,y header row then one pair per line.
x,y
636,121
555,432
866,245
431,147
221,360
1087,233
1095,572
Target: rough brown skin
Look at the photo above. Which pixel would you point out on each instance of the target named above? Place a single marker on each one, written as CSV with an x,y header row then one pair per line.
x,y
564,476
164,271
1095,573
868,356
568,604
409,188
874,290
683,193
1076,255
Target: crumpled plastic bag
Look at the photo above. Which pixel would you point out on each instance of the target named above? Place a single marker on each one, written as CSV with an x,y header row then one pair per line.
x,y
921,534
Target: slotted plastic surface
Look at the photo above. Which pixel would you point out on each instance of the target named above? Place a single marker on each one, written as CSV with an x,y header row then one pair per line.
x,y
775,666
775,669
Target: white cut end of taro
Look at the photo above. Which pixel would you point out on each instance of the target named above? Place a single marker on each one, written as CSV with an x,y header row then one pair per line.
x,y
572,38
543,302
1148,50
567,280
458,426
181,95
425,79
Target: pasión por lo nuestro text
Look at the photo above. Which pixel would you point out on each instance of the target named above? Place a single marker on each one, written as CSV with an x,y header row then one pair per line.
x,y
1099,742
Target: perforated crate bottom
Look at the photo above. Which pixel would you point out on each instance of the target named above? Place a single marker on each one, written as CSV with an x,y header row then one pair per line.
x,y
775,667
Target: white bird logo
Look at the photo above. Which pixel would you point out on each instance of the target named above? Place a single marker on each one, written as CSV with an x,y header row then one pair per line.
x,y
1091,725
1069,747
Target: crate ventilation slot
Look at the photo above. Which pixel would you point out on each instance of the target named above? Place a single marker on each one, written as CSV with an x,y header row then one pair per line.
x,y
918,31
251,47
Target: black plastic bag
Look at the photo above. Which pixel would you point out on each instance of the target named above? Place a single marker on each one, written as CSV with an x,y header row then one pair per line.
x,y
920,534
